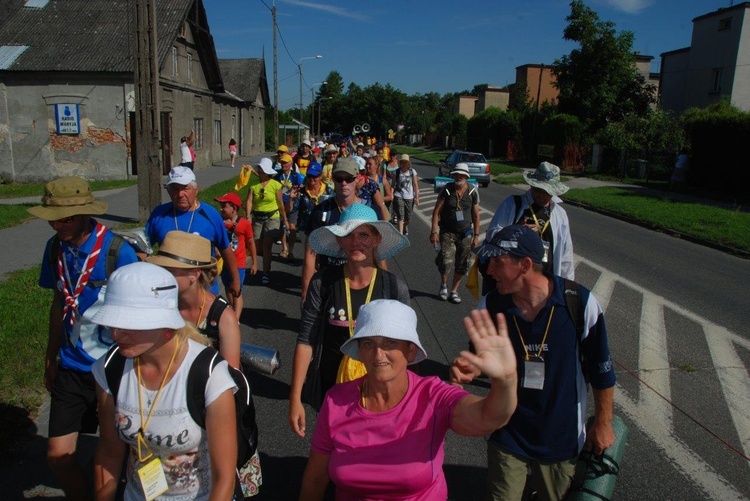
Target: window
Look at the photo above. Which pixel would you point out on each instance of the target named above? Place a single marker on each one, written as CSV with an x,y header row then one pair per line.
x,y
217,131
725,24
198,128
716,80
190,67
174,61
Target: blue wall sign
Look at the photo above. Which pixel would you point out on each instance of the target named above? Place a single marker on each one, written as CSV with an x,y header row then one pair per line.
x,y
67,119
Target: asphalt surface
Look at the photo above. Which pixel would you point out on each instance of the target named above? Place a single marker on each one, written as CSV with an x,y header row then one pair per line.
x,y
269,319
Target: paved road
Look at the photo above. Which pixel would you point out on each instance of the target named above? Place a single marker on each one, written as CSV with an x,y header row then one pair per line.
x,y
677,319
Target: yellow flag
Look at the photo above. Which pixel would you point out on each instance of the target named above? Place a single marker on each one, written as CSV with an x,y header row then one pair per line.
x,y
244,177
349,370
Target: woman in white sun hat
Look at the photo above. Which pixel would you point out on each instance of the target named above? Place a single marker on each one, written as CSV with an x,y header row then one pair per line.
x,y
180,459
333,299
370,431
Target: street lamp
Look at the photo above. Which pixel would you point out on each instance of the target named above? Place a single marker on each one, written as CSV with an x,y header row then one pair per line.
x,y
299,67
320,109
312,105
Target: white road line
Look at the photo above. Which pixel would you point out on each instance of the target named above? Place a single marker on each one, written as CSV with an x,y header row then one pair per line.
x,y
652,359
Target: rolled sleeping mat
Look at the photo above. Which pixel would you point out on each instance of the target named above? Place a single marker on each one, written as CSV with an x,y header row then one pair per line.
x,y
260,359
596,475
441,181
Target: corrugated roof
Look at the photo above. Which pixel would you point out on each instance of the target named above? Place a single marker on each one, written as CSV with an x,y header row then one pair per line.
x,y
85,35
244,77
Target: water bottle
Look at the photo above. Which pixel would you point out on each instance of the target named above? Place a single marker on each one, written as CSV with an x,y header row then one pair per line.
x,y
286,230
437,247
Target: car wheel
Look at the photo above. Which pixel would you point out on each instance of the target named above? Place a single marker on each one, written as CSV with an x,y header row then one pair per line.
x,y
484,185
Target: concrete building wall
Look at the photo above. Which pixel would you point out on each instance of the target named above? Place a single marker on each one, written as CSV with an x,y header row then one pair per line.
x,y
712,50
741,83
528,77
493,97
31,149
674,66
466,106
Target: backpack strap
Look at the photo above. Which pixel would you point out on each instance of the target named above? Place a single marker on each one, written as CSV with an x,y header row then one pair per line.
x,y
390,286
214,316
197,380
113,253
114,366
573,303
518,200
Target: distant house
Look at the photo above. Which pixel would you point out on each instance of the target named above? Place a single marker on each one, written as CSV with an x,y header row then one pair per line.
x,y
716,65
538,82
468,106
66,74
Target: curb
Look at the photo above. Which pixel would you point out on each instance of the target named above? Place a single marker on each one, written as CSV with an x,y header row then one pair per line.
x,y
673,233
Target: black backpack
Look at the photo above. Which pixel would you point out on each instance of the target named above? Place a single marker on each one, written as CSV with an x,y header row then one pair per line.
x,y
200,371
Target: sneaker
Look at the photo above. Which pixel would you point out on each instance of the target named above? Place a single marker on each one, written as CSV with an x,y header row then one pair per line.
x,y
265,280
454,298
406,232
443,292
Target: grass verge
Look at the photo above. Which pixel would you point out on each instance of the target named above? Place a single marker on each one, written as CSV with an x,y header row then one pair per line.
x,y
496,168
13,215
721,226
14,190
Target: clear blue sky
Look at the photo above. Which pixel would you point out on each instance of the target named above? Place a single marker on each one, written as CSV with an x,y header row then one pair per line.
x,y
421,46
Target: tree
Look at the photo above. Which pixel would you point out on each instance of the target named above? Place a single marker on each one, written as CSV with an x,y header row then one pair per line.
x,y
598,82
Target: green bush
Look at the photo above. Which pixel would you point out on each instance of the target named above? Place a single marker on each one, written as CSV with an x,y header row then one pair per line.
x,y
560,130
718,139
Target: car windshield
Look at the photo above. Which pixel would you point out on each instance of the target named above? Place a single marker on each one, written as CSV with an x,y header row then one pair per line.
x,y
471,158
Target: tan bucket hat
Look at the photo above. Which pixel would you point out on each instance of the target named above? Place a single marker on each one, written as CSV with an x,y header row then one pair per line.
x,y
65,197
184,250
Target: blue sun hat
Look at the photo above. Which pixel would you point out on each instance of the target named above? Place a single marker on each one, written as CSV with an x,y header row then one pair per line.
x,y
323,240
516,240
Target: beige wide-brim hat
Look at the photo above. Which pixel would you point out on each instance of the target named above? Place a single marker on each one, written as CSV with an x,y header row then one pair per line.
x,y
183,250
546,177
66,197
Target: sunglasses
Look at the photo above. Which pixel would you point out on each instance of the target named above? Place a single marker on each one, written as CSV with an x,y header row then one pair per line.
x,y
262,193
65,220
344,179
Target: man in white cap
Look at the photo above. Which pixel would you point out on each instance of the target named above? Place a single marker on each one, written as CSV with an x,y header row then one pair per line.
x,y
186,213
540,209
76,264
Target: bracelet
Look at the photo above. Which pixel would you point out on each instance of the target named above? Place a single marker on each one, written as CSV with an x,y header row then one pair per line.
x,y
433,233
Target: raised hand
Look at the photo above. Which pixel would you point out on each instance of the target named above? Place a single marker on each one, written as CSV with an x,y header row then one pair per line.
x,y
494,352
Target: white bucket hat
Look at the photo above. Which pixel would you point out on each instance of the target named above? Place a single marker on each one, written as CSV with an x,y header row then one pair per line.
x,y
265,165
460,168
323,240
387,318
140,296
546,177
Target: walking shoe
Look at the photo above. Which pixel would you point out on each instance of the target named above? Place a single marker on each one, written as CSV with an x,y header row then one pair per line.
x,y
265,280
454,298
283,253
406,232
443,292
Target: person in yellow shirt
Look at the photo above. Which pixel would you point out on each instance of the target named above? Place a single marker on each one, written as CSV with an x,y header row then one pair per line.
x,y
331,154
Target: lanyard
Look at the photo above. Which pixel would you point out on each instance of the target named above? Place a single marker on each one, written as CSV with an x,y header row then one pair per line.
x,y
349,297
192,215
533,214
541,345
70,299
141,442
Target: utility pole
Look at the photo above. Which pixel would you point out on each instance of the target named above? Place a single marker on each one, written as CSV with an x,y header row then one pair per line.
x,y
275,83
146,83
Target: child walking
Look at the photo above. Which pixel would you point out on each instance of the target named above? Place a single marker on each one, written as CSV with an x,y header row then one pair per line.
x,y
232,150
241,237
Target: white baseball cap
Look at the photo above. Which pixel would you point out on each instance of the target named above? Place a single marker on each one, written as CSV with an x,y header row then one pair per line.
x,y
180,175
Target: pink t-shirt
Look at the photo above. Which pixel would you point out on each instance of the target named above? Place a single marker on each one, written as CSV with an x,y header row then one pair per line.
x,y
397,454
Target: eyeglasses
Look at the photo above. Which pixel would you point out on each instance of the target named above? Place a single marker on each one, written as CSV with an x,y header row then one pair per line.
x,y
344,179
65,220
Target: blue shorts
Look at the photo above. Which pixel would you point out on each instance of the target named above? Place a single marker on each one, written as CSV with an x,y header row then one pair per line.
x,y
226,277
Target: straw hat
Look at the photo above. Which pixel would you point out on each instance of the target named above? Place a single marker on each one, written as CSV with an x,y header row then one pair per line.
x,y
65,197
184,250
323,240
546,177
388,318
140,296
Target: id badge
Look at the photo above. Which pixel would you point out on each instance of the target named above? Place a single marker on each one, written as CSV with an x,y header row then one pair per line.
x,y
459,216
533,373
153,480
545,259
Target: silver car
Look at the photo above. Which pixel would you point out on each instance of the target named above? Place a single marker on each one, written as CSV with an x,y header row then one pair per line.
x,y
479,169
